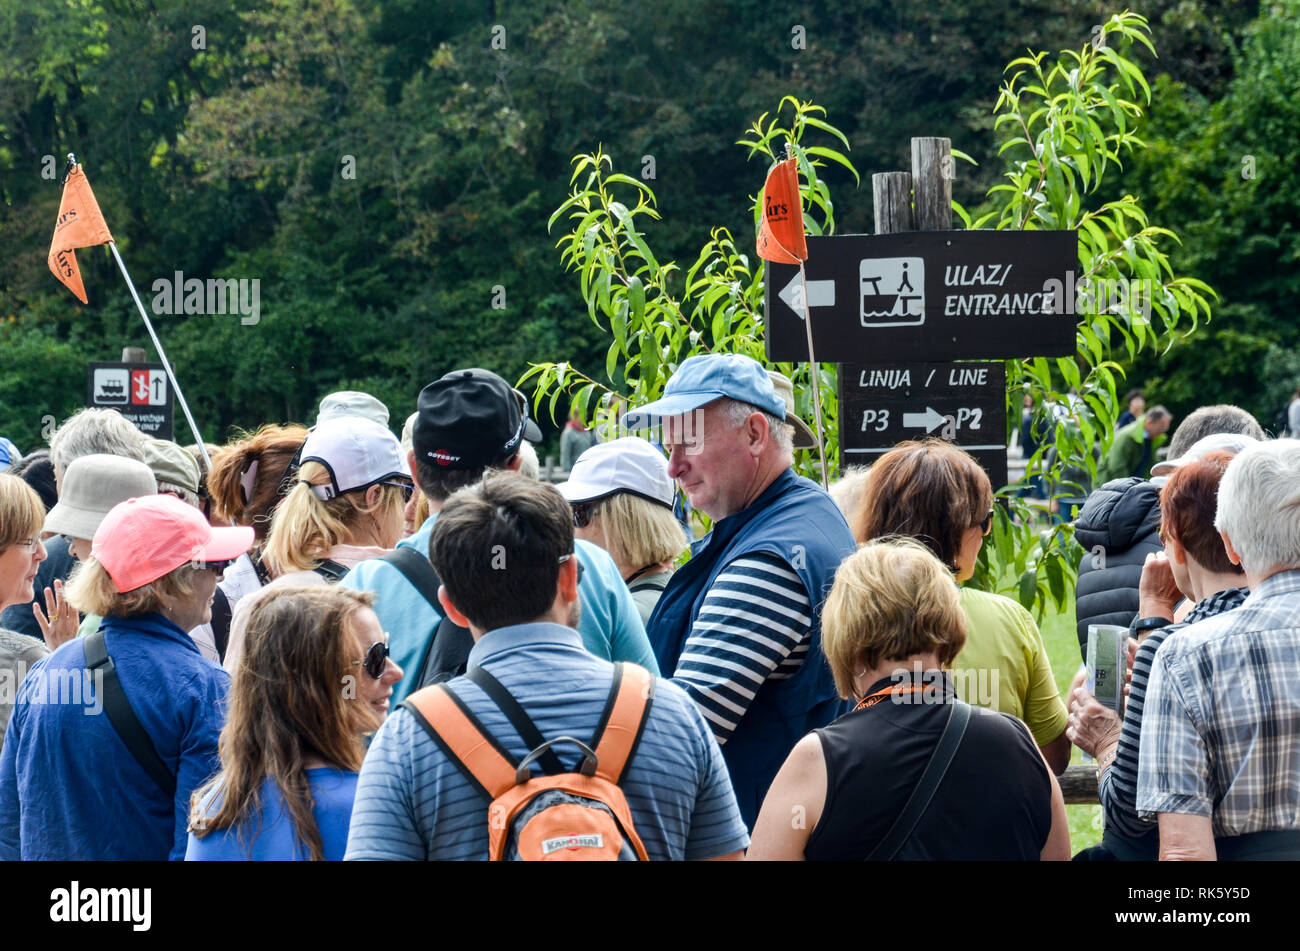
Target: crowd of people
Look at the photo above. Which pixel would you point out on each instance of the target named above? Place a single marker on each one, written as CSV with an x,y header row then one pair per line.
x,y
336,643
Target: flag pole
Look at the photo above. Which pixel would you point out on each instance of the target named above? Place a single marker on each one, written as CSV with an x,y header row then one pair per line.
x,y
176,387
812,360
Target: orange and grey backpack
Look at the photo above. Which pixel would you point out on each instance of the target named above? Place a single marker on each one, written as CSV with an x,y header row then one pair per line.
x,y
563,815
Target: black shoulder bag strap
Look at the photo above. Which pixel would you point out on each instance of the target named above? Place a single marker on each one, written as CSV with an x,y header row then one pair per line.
x,y
520,720
125,723
935,770
220,622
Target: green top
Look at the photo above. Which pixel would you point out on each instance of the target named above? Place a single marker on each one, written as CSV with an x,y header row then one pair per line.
x,y
1131,453
1004,665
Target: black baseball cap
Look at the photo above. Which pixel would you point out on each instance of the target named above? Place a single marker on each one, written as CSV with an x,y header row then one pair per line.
x,y
471,419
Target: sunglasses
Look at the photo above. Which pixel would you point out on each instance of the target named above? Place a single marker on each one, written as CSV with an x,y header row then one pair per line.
x,y
407,489
376,659
987,523
582,513
563,558
217,566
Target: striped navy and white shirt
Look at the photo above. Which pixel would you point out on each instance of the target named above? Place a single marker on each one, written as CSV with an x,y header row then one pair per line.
x,y
755,624
1221,728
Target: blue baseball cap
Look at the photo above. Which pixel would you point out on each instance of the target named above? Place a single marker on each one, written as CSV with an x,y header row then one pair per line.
x,y
708,377
9,454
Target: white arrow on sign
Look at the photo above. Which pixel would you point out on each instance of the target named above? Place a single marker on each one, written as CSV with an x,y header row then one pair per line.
x,y
820,294
927,420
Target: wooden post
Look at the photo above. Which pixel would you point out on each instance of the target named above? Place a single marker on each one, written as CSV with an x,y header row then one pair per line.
x,y
891,195
932,183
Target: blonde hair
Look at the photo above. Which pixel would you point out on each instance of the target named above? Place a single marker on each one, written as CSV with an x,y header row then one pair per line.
x,y
91,590
891,599
639,532
305,528
21,512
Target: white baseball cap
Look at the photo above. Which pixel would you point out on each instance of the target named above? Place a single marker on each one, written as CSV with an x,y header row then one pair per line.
x,y
352,403
1215,442
629,464
358,452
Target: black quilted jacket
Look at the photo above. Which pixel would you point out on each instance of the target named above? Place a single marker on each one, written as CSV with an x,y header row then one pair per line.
x,y
1117,527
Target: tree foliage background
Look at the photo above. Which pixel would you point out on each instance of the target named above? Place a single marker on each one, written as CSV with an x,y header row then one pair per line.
x,y
228,158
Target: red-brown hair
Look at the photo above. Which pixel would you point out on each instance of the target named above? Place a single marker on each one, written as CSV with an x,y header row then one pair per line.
x,y
1187,505
925,489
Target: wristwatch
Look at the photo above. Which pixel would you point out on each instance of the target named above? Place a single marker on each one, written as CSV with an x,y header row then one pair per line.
x,y
1143,624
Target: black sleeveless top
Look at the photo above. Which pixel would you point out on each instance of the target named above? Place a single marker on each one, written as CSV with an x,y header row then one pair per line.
x,y
994,804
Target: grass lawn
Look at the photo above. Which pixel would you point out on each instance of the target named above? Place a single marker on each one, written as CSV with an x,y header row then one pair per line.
x,y
1063,650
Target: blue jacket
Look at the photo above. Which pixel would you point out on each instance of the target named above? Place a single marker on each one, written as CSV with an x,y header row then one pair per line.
x,y
797,522
69,787
610,626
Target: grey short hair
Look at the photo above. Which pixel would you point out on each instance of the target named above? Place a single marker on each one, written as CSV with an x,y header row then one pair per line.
x,y
529,467
95,431
1259,506
737,412
1208,420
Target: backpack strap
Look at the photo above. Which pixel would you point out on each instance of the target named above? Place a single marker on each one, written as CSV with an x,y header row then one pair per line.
x,y
416,569
919,801
122,718
462,738
446,652
623,720
520,720
331,571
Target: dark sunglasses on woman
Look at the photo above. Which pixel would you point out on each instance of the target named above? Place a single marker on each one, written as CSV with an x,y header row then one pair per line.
x,y
376,659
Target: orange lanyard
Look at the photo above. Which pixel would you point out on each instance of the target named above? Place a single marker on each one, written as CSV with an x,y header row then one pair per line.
x,y
879,696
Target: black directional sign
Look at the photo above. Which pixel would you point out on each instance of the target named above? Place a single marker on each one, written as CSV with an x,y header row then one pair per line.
x,y
927,295
139,391
884,404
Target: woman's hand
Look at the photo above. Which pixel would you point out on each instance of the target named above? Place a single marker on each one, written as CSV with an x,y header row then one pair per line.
x,y
1157,591
1091,727
61,626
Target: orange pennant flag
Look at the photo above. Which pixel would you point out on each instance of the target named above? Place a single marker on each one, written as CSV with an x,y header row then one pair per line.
x,y
80,225
780,233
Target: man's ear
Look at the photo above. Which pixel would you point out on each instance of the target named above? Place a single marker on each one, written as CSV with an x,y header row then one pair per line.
x,y
1177,553
757,432
515,462
1232,552
568,580
452,611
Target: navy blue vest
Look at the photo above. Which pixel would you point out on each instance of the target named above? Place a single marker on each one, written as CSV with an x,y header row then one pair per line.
x,y
797,522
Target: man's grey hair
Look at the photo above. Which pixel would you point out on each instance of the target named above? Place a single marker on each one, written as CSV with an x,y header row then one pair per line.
x,y
737,412
95,430
1208,420
1259,506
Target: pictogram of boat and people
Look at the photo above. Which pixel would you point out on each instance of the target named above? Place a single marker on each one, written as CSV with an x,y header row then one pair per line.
x,y
906,303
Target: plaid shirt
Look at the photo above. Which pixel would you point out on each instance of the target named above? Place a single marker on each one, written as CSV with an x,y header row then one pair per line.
x,y
1221,728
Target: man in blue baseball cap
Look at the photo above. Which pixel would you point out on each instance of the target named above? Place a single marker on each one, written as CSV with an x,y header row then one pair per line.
x,y
739,625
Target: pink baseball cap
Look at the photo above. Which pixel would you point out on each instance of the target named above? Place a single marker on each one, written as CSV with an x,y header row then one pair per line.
x,y
142,539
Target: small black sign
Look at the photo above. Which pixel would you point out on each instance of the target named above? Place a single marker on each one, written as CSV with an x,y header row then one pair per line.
x,y
139,391
884,404
927,295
